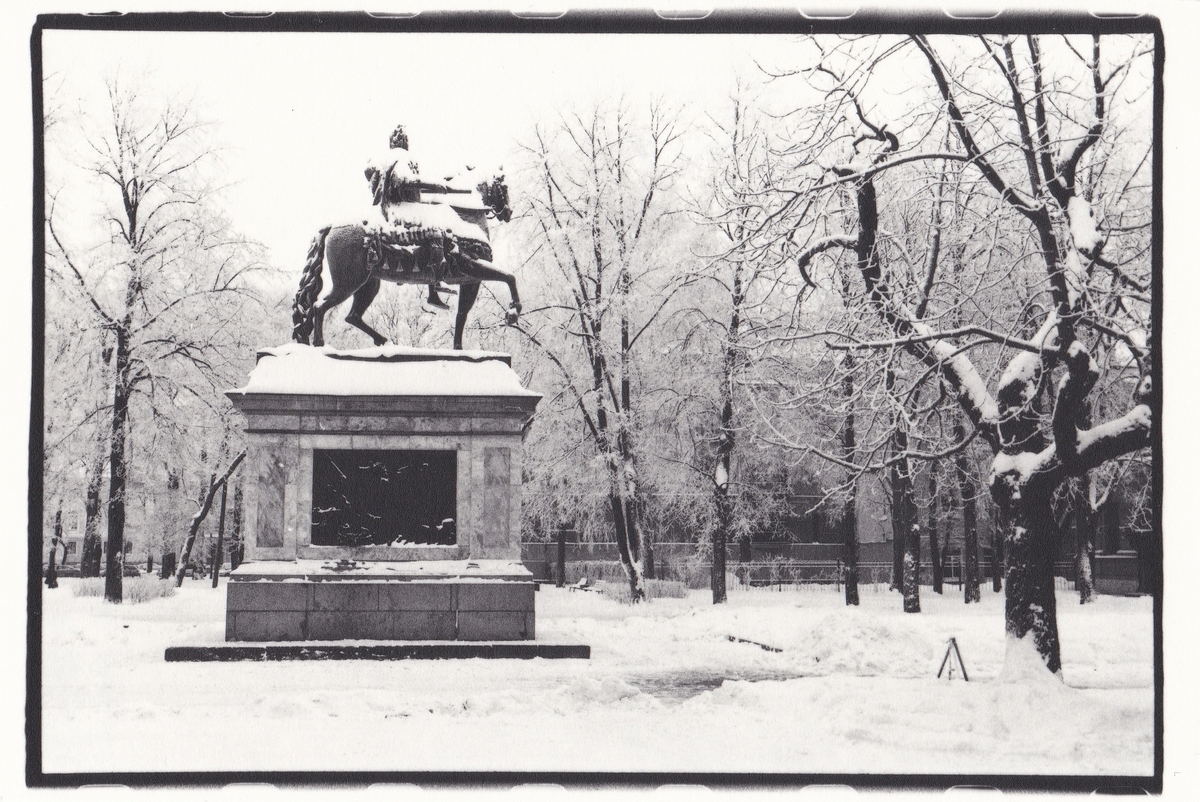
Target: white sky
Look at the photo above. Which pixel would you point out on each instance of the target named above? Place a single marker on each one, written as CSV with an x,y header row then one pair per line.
x,y
301,113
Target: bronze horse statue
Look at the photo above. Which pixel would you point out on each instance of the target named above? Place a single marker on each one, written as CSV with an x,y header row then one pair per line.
x,y
433,256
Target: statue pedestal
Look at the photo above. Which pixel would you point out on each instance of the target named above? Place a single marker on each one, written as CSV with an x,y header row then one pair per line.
x,y
382,497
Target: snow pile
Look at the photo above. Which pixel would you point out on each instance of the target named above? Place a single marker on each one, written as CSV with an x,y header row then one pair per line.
x,y
1022,370
609,691
855,642
389,370
1022,465
1023,665
403,168
1140,417
435,215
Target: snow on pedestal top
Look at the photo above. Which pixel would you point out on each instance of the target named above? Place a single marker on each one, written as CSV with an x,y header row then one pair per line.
x,y
388,370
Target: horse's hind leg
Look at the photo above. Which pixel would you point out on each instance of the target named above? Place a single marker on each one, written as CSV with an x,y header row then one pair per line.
x,y
321,307
362,299
466,299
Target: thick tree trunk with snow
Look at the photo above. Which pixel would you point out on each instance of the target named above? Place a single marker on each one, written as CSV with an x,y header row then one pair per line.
x,y
912,567
623,500
724,504
628,547
1031,543
905,527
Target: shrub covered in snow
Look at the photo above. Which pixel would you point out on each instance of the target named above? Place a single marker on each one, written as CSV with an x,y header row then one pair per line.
x,y
91,586
136,589
145,588
655,589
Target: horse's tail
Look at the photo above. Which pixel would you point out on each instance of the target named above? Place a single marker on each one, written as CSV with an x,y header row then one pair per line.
x,y
310,289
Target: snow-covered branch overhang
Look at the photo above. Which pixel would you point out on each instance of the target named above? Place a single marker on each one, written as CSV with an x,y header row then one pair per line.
x,y
999,338
1088,449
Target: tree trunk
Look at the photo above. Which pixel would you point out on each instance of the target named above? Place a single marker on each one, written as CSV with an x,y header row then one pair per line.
x,y
627,548
935,552
905,527
115,559
93,549
850,549
213,485
217,557
185,555
51,570
647,542
718,544
912,567
1084,521
849,516
1149,562
721,481
560,578
1031,543
899,529
997,555
968,491
236,547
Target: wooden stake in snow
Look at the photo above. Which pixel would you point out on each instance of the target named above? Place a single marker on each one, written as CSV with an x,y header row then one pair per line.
x,y
197,519
948,663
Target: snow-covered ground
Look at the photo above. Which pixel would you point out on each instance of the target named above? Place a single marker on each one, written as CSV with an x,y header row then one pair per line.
x,y
853,690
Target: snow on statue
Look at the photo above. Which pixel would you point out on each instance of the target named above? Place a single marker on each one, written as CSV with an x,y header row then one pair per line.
x,y
434,232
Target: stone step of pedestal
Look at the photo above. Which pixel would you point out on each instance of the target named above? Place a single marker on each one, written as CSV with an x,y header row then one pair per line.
x,y
449,609
432,650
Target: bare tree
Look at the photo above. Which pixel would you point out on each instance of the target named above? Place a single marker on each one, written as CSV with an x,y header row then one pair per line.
x,y
141,253
596,219
1046,178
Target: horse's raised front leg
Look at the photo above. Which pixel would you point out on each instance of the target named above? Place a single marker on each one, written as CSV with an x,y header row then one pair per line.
x,y
488,272
362,299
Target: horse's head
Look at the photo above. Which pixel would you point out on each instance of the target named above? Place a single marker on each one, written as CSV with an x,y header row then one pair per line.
x,y
495,196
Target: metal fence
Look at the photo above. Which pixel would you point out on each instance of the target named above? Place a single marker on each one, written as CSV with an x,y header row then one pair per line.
x,y
792,575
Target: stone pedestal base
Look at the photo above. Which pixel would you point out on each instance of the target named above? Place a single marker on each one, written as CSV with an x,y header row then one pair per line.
x,y
433,600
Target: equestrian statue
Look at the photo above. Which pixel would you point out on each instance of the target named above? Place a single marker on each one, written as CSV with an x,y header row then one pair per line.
x,y
433,232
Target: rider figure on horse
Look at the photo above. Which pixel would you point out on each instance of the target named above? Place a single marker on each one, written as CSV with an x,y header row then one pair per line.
x,y
394,180
435,232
